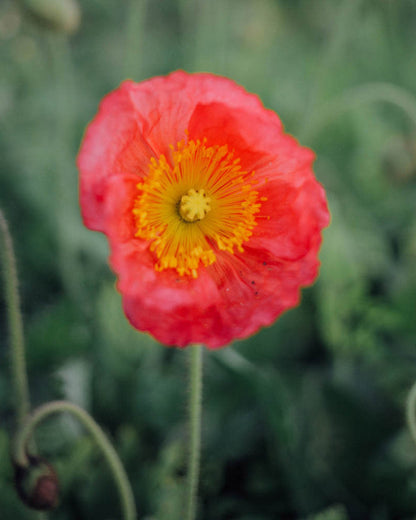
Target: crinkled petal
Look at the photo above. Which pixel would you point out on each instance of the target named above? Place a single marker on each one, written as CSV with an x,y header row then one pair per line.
x,y
293,201
231,299
240,291
138,121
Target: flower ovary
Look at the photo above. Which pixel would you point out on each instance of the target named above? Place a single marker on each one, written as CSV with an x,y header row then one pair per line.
x,y
194,205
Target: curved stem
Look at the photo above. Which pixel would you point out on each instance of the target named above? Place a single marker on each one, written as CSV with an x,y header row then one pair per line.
x,y
370,92
339,35
120,477
17,346
411,410
195,407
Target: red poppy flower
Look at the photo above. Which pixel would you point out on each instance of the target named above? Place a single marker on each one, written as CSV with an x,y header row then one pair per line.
x,y
213,214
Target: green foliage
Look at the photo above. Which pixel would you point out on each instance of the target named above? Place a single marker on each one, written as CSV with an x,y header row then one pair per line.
x,y
303,420
333,513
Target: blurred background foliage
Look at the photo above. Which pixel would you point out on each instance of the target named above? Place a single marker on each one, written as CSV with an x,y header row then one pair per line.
x,y
305,419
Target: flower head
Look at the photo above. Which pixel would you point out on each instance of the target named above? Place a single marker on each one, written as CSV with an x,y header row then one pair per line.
x,y
213,214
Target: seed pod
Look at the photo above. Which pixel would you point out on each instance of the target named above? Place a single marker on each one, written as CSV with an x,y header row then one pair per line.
x,y
59,15
37,484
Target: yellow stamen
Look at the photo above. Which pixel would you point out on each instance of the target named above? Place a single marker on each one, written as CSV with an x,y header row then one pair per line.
x,y
193,204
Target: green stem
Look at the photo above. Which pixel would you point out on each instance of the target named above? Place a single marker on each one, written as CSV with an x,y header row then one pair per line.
x,y
15,323
353,98
24,435
195,407
410,411
18,361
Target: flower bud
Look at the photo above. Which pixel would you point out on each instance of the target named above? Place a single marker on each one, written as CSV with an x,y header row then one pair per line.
x,y
37,484
59,15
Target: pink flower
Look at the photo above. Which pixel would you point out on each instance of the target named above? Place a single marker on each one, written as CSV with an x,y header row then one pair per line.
x,y
212,212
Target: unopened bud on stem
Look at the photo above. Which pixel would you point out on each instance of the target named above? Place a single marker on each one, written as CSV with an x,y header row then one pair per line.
x,y
37,484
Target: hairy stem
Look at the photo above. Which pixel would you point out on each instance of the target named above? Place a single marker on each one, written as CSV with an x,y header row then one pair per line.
x,y
14,316
195,407
411,411
24,435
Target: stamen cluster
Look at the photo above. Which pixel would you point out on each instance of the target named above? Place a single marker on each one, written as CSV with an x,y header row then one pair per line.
x,y
198,202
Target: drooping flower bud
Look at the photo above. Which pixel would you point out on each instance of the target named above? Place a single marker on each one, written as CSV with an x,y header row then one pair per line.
x,y
59,15
37,484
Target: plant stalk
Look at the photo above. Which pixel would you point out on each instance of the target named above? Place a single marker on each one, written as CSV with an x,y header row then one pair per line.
x,y
195,409
24,435
411,411
15,322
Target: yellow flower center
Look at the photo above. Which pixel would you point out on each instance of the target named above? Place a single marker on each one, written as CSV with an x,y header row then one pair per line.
x,y
194,204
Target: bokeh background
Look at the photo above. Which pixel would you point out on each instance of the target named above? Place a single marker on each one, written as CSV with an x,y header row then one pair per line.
x,y
303,420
